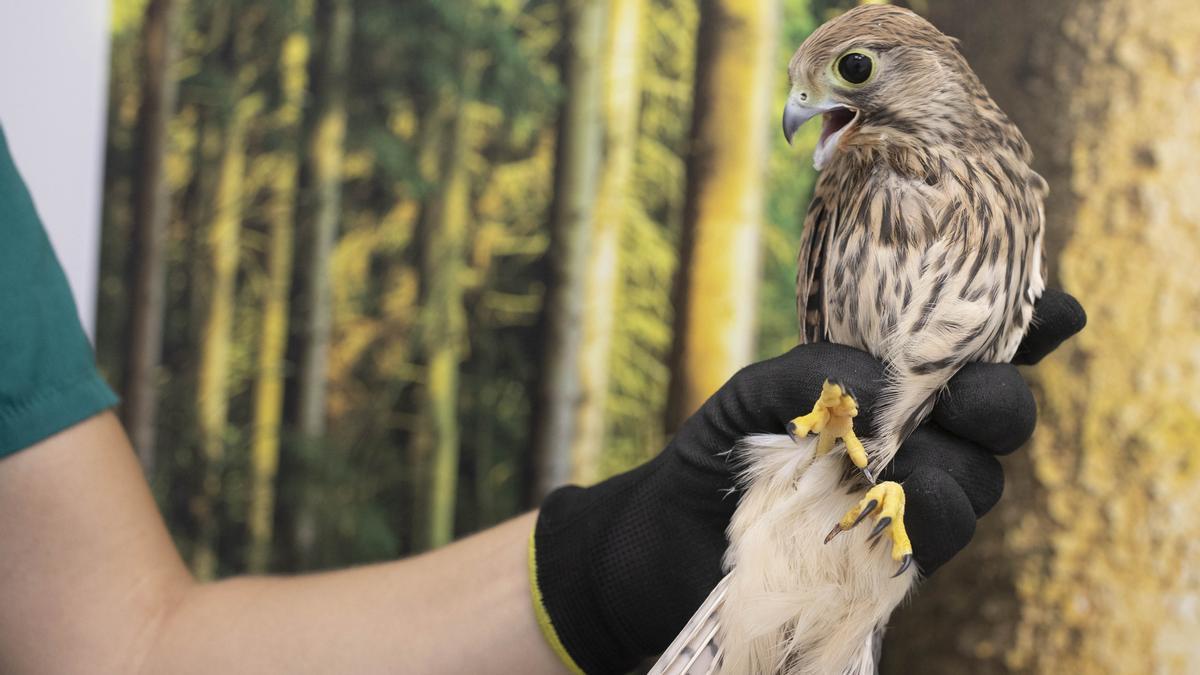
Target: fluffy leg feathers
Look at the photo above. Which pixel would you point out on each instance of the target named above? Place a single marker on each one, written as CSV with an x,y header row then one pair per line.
x,y
792,604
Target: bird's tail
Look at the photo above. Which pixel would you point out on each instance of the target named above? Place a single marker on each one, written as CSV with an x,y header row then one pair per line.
x,y
695,650
792,603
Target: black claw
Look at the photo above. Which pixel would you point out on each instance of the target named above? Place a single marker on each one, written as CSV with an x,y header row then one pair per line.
x,y
905,563
837,529
874,543
791,431
880,527
867,510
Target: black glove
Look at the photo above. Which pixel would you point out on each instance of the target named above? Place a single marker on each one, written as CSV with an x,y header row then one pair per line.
x,y
619,567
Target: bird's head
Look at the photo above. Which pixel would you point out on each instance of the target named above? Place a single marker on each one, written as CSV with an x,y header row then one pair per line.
x,y
877,74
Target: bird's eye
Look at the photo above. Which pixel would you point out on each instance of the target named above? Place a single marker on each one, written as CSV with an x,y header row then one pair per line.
x,y
855,67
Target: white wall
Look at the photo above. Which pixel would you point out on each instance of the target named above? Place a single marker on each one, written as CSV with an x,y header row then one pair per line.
x,y
53,89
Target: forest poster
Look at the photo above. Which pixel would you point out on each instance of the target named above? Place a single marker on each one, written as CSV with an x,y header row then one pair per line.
x,y
377,274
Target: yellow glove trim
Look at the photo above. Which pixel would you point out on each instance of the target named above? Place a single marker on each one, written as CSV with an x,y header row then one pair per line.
x,y
543,618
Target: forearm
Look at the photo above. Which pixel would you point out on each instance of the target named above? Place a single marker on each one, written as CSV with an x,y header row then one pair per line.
x,y
463,608
92,583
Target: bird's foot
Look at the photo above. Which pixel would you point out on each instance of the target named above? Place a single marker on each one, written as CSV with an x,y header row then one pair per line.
x,y
887,500
832,417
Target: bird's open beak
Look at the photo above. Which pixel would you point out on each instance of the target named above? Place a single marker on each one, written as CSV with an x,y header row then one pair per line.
x,y
837,120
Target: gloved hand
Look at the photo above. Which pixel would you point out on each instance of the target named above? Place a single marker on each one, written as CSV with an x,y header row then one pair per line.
x,y
619,567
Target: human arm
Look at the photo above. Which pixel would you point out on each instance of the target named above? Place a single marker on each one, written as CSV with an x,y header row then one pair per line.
x,y
92,583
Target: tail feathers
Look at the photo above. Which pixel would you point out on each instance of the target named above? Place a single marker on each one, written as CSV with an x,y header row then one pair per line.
x,y
695,650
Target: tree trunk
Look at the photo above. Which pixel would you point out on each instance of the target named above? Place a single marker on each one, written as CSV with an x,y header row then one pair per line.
x,y
622,98
444,320
268,401
326,150
224,239
444,333
717,284
435,127
576,176
1088,564
144,335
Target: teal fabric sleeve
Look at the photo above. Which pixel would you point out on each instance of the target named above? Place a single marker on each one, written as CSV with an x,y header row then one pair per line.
x,y
48,377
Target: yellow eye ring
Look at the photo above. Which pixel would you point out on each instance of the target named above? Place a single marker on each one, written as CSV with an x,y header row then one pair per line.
x,y
854,69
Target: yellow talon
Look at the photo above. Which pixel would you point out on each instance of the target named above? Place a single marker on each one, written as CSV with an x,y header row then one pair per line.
x,y
887,501
832,417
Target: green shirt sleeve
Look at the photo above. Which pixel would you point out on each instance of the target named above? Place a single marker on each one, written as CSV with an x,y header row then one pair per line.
x,y
48,378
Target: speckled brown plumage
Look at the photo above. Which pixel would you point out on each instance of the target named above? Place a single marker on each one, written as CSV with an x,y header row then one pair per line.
x,y
923,240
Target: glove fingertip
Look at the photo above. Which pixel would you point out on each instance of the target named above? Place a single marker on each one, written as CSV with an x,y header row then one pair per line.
x,y
1057,317
938,516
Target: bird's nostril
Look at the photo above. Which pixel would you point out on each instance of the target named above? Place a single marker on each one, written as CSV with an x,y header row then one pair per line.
x,y
803,96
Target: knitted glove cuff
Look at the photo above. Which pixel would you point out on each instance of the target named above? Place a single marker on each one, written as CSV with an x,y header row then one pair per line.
x,y
545,623
563,574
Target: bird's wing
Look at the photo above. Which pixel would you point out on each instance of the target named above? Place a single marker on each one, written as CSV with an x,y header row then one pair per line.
x,y
810,293
695,650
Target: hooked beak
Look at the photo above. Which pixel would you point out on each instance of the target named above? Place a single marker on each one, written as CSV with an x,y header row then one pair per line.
x,y
838,119
795,115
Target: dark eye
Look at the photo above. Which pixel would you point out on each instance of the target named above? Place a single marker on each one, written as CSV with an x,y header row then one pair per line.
x,y
855,67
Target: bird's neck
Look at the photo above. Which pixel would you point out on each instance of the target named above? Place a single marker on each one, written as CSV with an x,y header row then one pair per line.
x,y
906,154
921,154
915,141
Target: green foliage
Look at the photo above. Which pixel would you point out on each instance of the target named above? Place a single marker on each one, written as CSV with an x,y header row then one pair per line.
x,y
126,15
352,496
642,336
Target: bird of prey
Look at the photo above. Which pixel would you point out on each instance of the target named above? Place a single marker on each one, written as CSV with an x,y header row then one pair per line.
x,y
923,247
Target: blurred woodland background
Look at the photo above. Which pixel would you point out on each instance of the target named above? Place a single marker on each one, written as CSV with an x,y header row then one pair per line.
x,y
379,273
